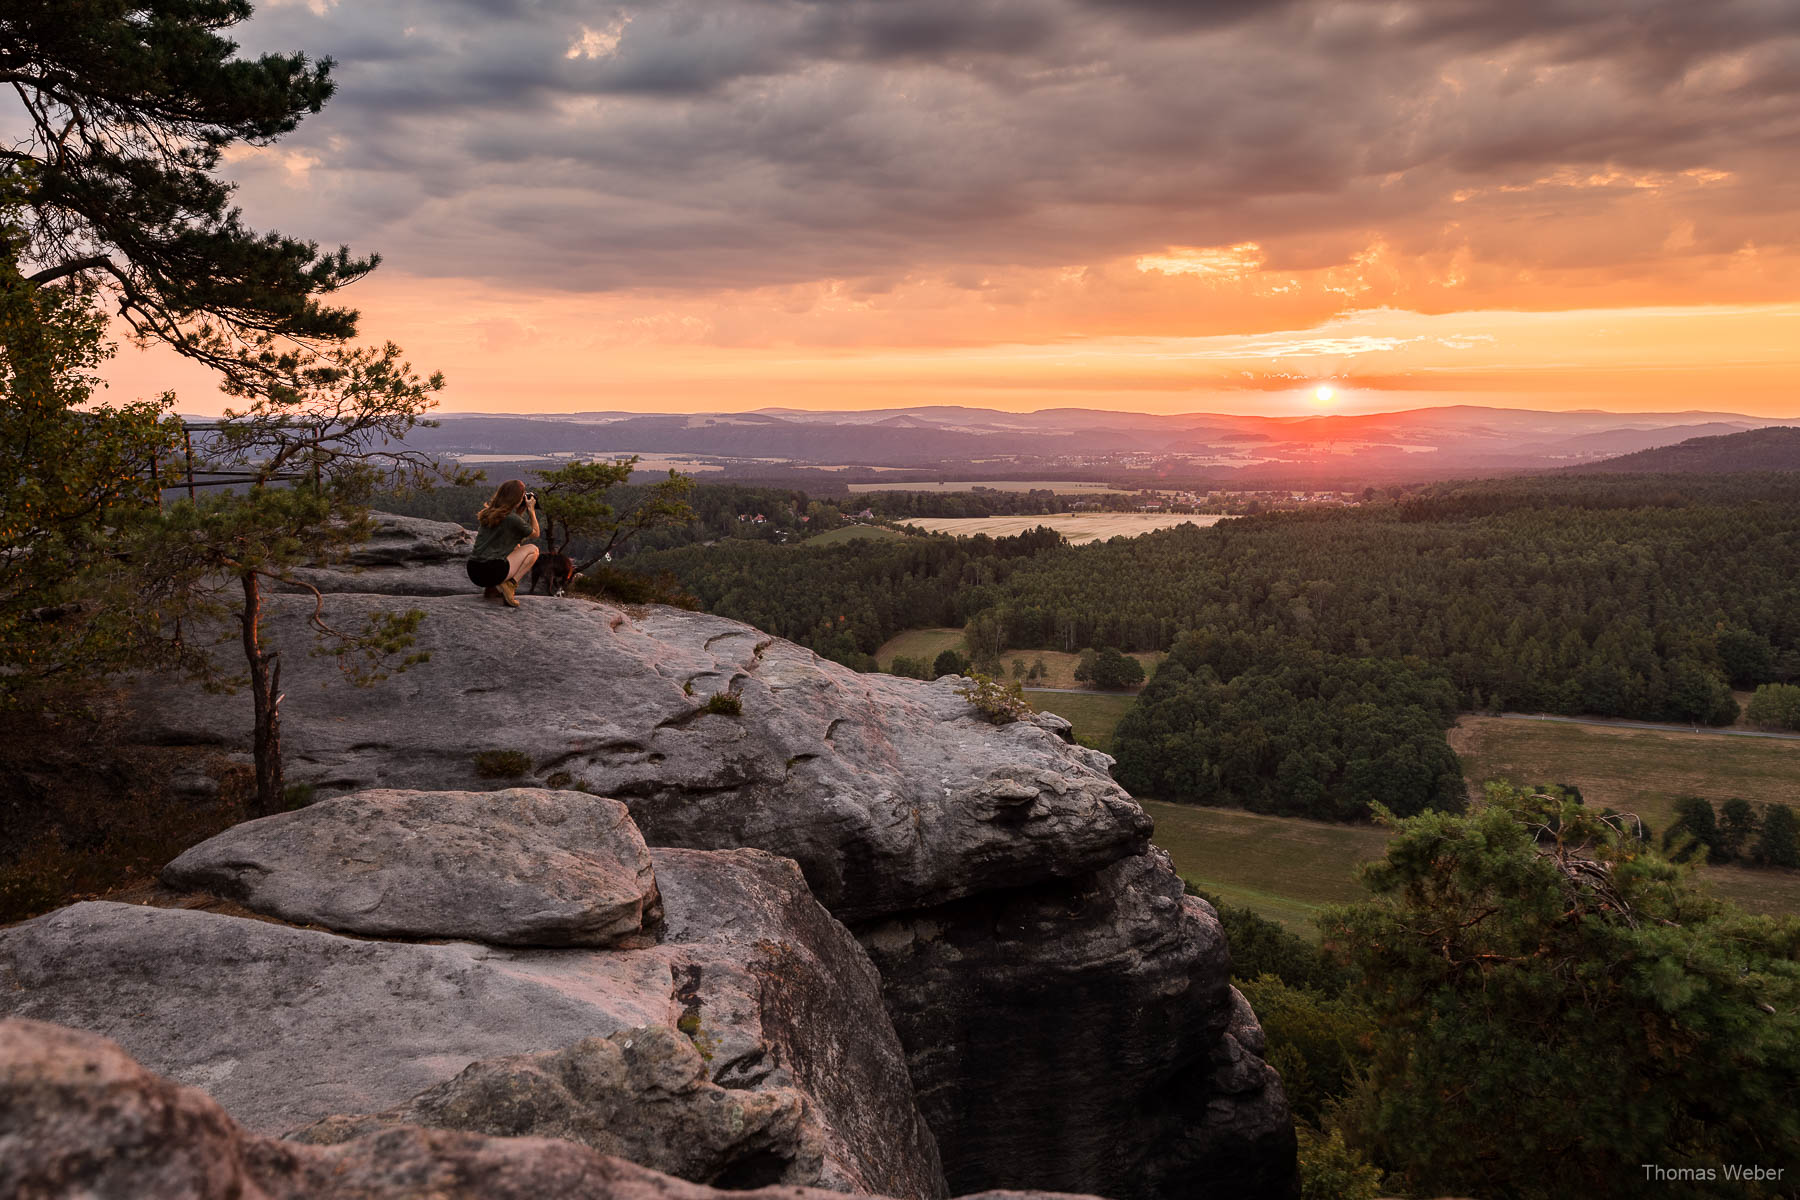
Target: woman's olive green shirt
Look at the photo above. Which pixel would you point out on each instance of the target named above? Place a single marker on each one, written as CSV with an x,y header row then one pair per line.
x,y
498,541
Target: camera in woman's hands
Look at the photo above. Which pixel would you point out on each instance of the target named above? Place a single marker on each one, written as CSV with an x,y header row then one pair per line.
x,y
531,497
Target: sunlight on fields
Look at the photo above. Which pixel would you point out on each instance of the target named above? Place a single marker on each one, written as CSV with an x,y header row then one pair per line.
x,y
1079,528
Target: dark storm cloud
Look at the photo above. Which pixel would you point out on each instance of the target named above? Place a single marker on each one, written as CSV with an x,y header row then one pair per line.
x,y
701,143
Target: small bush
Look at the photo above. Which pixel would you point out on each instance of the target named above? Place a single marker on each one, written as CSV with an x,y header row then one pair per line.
x,y
560,779
1320,1044
297,795
1001,703
502,764
1330,1170
723,703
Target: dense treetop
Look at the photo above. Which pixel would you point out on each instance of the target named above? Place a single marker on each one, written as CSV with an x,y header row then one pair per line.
x,y
129,106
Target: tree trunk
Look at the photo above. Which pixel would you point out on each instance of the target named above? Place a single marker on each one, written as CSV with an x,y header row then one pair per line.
x,y
265,693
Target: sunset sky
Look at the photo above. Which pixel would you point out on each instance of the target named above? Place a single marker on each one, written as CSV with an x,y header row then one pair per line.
x,y
1153,205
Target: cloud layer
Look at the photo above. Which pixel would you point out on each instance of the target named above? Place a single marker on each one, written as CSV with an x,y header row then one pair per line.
x,y
829,176
703,144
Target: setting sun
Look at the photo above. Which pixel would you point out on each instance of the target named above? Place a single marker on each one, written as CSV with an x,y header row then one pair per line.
x,y
1324,393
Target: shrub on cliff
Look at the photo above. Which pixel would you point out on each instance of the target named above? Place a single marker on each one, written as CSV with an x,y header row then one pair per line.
x,y
1001,703
1553,1015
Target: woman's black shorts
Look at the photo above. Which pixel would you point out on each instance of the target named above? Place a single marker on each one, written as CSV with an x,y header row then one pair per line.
x,y
488,572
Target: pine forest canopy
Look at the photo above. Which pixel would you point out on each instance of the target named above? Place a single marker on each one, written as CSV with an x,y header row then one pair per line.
x,y
1355,633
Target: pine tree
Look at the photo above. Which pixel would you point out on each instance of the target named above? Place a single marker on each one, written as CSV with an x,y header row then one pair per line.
x,y
1584,984
129,106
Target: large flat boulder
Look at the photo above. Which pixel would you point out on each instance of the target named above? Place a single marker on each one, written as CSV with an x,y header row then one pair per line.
x,y
890,793
78,1117
287,1026
404,556
521,867
1083,1035
398,541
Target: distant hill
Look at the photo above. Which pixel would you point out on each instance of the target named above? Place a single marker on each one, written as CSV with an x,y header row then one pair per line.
x,y
826,449
1776,448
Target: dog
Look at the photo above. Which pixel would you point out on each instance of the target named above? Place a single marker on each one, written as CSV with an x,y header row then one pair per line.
x,y
554,571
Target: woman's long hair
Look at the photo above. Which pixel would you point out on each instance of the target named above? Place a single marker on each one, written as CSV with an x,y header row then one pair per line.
x,y
506,498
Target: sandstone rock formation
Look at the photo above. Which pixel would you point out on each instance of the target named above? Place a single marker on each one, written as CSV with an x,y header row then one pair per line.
x,y
641,1094
1125,969
1065,1012
79,1118
889,793
522,867
406,556
287,1026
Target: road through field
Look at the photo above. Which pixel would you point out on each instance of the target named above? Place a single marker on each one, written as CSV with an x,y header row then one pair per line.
x,y
1620,724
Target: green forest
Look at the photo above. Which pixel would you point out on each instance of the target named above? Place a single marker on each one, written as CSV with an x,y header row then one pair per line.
x,y
1645,597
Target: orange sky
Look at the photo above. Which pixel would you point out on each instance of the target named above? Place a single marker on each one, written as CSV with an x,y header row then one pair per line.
x,y
1024,204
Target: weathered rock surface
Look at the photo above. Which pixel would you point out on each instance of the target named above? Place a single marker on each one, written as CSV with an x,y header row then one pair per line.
x,y
642,1094
1065,1012
522,867
286,1026
1116,980
405,556
79,1118
421,579
408,541
890,793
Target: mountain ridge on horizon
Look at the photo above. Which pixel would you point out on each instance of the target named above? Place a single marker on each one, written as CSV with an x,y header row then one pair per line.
x,y
873,415
949,442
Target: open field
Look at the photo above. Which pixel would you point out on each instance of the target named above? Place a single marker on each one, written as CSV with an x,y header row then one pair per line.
x,y
1094,715
854,533
1281,867
1287,869
929,643
1641,771
1062,487
1079,528
1632,770
919,643
1061,666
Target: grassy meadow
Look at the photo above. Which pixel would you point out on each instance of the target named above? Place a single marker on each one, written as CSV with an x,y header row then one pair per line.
x,y
919,643
1288,869
1281,867
854,533
929,643
1643,771
1094,716
1632,770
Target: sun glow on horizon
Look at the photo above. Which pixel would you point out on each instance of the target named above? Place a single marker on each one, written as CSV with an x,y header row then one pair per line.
x,y
1324,394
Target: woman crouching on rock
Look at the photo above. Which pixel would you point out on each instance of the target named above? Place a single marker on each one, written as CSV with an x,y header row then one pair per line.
x,y
502,556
